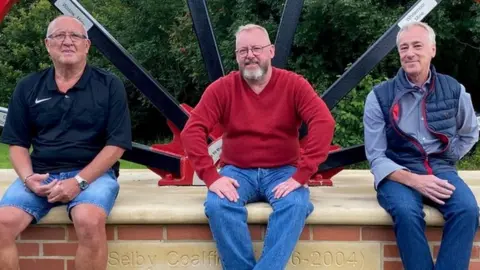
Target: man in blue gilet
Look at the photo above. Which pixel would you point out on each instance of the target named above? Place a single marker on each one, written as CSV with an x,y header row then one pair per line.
x,y
417,126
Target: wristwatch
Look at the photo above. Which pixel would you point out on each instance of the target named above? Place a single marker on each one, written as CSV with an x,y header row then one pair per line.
x,y
82,183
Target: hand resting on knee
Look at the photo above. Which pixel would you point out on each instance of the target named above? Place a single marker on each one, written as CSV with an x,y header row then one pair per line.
x,y
226,187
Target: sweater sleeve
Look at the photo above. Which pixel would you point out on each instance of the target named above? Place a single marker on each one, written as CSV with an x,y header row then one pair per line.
x,y
203,118
321,125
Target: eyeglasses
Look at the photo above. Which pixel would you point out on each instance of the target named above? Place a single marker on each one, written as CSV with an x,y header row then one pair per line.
x,y
75,37
256,50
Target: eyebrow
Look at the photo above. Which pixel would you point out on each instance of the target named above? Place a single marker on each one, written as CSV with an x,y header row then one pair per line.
x,y
413,43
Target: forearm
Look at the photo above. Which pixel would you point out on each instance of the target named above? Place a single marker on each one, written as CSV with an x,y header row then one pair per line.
x,y
381,166
319,139
404,177
467,126
196,148
21,162
461,145
321,127
101,163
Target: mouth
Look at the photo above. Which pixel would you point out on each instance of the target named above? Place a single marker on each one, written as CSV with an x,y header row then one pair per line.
x,y
411,63
251,64
68,51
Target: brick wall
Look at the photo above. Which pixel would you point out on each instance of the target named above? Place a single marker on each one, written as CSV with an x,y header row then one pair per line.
x,y
44,247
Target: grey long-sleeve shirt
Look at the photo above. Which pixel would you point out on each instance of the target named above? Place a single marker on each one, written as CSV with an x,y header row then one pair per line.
x,y
411,122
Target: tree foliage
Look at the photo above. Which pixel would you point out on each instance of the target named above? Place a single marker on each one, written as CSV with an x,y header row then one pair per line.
x,y
331,35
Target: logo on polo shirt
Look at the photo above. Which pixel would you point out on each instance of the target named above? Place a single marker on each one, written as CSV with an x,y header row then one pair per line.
x,y
41,100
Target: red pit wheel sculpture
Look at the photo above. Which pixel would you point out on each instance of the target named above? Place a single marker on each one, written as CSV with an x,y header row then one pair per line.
x,y
168,160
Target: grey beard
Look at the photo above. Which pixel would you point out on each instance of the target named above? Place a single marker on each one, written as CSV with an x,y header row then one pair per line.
x,y
255,75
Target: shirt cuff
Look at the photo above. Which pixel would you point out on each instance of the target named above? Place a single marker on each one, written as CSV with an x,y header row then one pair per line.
x,y
383,170
302,176
210,176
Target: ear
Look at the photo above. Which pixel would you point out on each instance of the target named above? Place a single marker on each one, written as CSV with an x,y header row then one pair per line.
x,y
272,51
434,51
88,43
45,41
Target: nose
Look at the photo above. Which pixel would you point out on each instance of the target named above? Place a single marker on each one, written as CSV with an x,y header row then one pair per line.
x,y
409,53
250,54
68,41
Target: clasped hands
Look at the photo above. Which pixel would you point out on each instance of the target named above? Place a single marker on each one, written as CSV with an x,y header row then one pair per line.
x,y
55,191
227,187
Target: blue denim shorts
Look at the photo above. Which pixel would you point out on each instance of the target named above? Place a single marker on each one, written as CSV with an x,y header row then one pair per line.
x,y
102,192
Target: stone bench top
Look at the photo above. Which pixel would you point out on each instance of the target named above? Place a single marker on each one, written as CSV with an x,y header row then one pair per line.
x,y
351,201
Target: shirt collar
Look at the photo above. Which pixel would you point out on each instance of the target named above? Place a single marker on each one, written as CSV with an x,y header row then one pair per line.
x,y
425,85
81,84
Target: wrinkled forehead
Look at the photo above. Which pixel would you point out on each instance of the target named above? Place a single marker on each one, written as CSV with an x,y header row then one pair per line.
x,y
66,25
413,35
251,37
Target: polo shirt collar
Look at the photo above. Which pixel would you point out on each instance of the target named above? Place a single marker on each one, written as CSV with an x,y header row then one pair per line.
x,y
81,84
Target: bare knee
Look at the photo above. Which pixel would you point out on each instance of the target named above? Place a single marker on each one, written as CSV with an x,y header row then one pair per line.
x,y
12,222
89,222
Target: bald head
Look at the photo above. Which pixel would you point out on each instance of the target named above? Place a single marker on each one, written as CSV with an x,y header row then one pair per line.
x,y
62,19
67,42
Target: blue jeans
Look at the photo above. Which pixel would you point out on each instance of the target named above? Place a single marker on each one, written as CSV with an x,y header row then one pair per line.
x,y
228,220
460,212
101,192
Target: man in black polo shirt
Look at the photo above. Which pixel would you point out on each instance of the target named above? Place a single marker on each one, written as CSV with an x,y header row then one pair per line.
x,y
76,119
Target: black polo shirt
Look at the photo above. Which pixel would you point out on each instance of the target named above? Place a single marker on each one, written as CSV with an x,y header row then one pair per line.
x,y
67,130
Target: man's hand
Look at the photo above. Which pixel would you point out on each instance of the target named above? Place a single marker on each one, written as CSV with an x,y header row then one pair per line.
x,y
433,188
64,191
282,190
35,184
226,187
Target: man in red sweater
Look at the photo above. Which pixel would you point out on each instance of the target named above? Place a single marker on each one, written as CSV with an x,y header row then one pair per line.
x,y
260,108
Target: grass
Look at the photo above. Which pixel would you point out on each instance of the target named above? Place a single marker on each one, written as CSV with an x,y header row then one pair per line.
x,y
5,160
469,162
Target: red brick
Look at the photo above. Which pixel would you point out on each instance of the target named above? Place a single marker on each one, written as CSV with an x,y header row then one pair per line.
x,y
72,235
140,232
40,264
256,231
305,233
336,233
188,232
474,266
392,265
475,252
70,264
434,234
43,233
378,234
391,251
28,249
59,249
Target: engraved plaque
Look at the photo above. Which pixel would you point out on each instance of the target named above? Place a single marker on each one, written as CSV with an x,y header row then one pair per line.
x,y
204,256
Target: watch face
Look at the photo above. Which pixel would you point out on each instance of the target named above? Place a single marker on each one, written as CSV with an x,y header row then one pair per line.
x,y
83,185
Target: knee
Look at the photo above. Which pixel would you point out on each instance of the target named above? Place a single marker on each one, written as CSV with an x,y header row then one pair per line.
x,y
7,232
407,213
296,204
468,211
11,224
90,227
216,206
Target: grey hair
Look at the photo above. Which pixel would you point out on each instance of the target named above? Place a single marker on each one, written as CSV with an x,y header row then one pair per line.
x,y
251,26
50,25
431,33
